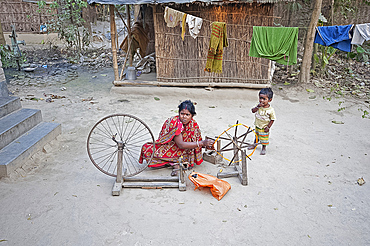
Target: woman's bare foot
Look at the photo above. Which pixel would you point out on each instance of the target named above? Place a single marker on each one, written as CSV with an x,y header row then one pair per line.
x,y
263,151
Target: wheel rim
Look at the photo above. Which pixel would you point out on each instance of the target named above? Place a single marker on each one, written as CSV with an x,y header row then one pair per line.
x,y
102,144
244,140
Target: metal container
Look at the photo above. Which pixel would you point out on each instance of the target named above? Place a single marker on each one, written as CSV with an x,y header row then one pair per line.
x,y
131,73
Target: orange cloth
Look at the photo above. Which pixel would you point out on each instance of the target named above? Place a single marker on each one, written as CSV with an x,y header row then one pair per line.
x,y
218,187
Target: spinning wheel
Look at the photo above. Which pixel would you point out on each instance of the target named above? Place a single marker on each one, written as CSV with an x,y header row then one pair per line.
x,y
114,145
230,142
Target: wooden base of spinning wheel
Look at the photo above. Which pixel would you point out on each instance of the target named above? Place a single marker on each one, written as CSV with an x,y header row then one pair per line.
x,y
240,171
151,182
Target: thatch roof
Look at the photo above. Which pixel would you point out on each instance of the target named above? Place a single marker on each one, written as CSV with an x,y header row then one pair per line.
x,y
121,2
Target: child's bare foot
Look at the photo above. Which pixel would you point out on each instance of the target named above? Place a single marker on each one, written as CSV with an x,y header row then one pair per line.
x,y
263,151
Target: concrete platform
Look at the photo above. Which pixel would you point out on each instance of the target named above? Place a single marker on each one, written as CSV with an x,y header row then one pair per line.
x,y
15,124
14,154
210,93
8,105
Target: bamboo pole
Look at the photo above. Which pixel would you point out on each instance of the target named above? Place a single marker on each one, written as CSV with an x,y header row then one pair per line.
x,y
129,37
113,40
124,63
120,16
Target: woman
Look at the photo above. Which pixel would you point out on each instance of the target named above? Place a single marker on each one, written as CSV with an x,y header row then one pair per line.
x,y
180,136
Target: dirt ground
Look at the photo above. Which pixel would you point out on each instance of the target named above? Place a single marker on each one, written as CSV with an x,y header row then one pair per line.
x,y
303,192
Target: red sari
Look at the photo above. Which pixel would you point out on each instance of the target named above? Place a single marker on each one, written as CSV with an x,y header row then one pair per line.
x,y
166,150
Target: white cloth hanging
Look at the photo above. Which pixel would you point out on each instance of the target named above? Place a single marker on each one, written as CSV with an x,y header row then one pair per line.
x,y
195,24
361,34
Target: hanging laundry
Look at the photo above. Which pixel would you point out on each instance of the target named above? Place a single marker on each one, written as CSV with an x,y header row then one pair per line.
x,y
195,24
335,36
361,34
275,43
173,18
140,39
183,26
216,47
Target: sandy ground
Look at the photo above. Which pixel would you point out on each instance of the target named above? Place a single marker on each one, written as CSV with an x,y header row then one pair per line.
x,y
303,192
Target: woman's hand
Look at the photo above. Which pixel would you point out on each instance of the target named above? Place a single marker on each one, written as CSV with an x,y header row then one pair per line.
x,y
208,143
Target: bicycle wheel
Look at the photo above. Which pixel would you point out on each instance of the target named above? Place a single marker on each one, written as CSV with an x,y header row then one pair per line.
x,y
232,142
102,144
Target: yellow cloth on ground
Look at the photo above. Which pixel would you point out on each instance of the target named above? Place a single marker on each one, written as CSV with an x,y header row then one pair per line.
x,y
216,47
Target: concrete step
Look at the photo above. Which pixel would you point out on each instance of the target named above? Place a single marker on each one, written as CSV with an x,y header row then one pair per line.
x,y
15,124
9,105
17,152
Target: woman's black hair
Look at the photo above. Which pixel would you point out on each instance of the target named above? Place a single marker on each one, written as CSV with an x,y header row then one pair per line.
x,y
267,91
187,105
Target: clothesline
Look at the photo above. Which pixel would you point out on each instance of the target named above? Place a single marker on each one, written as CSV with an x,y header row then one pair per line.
x,y
187,59
268,16
175,34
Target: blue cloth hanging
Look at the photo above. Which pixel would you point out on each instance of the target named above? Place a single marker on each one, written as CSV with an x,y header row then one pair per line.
x,y
335,36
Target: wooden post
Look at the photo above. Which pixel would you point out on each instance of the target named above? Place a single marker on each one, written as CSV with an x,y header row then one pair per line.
x,y
243,177
129,37
124,63
113,32
116,191
236,154
182,184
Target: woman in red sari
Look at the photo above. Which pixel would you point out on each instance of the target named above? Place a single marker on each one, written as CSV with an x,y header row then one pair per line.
x,y
180,136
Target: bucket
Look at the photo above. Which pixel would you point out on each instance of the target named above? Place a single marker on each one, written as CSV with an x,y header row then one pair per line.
x,y
131,73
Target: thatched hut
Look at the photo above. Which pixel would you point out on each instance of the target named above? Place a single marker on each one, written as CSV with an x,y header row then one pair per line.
x,y
182,63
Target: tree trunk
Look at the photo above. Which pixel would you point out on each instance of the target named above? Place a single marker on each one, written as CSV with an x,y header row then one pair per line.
x,y
304,75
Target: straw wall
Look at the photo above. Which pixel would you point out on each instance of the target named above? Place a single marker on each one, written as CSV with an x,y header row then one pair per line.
x,y
23,15
184,61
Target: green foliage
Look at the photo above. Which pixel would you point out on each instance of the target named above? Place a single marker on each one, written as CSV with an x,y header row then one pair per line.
x,y
365,113
294,6
67,21
361,54
324,56
344,7
8,59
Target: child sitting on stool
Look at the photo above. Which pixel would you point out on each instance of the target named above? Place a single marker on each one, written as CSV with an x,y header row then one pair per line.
x,y
264,118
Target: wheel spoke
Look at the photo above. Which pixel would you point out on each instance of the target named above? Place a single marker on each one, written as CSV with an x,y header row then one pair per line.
x,y
232,142
131,132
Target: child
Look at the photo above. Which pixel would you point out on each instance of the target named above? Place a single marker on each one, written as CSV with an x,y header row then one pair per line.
x,y
265,117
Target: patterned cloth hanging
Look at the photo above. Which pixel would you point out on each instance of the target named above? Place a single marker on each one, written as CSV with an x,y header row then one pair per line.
x,y
216,47
173,18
